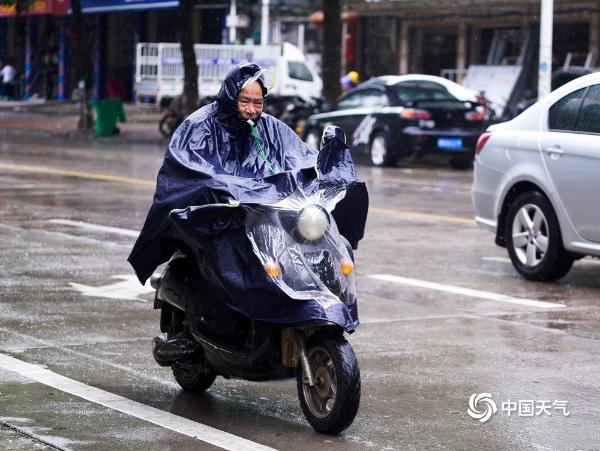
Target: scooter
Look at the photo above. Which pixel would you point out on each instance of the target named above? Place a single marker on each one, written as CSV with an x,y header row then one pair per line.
x,y
308,267
297,110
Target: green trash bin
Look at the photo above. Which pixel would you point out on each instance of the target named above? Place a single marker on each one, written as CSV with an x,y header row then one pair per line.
x,y
107,112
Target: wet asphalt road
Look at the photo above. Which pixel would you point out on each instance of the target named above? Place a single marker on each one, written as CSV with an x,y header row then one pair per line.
x,y
422,351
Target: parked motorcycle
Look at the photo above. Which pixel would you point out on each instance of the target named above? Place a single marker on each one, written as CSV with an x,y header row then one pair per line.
x,y
295,246
292,111
297,110
172,109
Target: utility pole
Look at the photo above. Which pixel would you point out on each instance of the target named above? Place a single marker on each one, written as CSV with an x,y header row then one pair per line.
x,y
264,23
233,24
545,64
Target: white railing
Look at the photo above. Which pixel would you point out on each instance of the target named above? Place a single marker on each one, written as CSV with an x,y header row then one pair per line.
x,y
159,66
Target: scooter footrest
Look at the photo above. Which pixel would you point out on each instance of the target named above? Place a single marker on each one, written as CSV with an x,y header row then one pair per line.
x,y
168,351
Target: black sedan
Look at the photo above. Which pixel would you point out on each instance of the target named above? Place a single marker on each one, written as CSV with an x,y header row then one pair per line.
x,y
392,117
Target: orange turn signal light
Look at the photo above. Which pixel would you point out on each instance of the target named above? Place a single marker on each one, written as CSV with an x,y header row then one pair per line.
x,y
272,269
346,266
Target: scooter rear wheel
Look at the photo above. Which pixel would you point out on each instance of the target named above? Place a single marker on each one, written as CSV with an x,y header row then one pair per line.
x,y
331,404
193,376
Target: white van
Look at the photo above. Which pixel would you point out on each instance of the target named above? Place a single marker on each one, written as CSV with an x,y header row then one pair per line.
x,y
159,69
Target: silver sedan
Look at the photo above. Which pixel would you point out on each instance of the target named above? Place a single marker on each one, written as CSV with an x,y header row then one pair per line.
x,y
537,181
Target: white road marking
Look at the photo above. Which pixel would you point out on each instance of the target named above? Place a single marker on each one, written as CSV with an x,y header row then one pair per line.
x,y
96,227
134,371
415,318
129,289
153,415
496,259
466,291
583,261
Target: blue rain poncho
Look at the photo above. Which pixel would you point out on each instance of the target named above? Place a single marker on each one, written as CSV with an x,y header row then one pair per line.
x,y
213,158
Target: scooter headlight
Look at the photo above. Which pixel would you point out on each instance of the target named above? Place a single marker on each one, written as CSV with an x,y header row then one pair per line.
x,y
312,222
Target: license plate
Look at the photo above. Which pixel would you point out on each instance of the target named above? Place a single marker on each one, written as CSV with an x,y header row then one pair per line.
x,y
450,143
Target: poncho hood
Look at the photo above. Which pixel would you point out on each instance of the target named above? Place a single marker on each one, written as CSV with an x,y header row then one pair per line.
x,y
226,101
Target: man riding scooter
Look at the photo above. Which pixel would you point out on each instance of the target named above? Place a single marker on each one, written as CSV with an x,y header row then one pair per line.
x,y
235,184
226,129
228,137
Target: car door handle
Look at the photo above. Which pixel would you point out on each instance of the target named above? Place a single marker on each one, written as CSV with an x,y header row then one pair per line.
x,y
554,150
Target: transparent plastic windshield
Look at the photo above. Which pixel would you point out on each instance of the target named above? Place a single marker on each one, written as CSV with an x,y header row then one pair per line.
x,y
298,244
267,78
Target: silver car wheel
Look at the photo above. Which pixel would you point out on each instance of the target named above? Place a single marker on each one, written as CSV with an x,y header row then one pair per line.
x,y
378,150
530,235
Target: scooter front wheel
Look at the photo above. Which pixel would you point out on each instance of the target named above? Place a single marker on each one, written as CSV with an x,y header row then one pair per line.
x,y
331,403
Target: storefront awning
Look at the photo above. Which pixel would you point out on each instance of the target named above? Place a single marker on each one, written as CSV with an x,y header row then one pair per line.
x,y
107,6
39,7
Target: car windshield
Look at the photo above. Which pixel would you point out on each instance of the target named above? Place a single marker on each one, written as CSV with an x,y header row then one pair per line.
x,y
299,71
411,94
363,98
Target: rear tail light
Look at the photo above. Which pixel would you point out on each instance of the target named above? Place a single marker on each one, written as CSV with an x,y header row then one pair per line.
x,y
474,116
481,142
413,113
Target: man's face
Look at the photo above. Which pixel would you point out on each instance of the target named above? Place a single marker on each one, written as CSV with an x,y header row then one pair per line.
x,y
250,101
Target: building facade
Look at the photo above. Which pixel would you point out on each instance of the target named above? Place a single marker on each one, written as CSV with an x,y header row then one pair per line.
x,y
439,37
444,37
